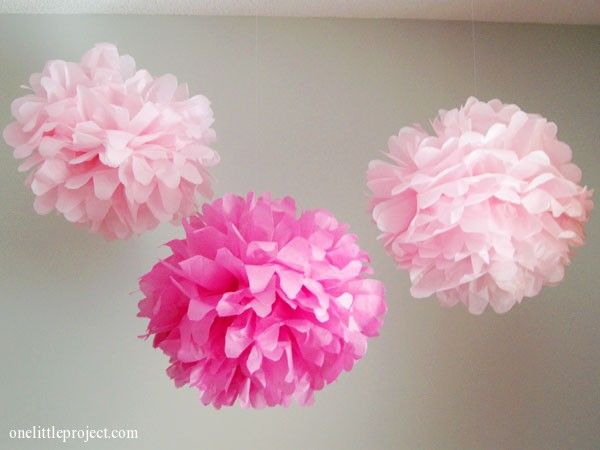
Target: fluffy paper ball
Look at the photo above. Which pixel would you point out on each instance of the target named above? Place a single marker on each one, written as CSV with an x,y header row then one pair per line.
x,y
483,211
110,147
257,304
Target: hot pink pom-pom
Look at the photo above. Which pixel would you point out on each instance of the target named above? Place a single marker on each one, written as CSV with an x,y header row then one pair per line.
x,y
257,304
110,147
485,210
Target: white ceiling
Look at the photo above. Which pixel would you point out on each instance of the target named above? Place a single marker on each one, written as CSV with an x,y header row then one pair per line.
x,y
537,11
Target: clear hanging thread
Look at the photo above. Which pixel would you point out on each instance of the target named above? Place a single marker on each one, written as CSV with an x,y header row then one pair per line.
x,y
473,44
256,75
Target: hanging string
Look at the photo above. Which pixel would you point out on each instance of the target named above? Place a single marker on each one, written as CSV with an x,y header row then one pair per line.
x,y
473,43
256,75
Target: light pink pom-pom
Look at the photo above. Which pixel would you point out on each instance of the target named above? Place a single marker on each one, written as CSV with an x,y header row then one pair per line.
x,y
485,210
258,305
110,147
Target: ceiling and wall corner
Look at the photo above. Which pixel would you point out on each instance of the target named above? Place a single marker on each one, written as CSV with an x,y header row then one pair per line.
x,y
524,11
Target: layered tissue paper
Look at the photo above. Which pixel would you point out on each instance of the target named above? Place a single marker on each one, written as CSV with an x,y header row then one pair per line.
x,y
484,210
258,305
111,147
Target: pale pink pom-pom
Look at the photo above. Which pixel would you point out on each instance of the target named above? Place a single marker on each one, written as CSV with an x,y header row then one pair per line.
x,y
112,148
483,211
259,305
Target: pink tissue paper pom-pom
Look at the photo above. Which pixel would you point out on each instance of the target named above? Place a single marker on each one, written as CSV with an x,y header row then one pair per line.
x,y
110,147
257,304
483,211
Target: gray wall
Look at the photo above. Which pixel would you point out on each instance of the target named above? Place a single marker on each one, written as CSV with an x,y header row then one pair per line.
x,y
330,93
